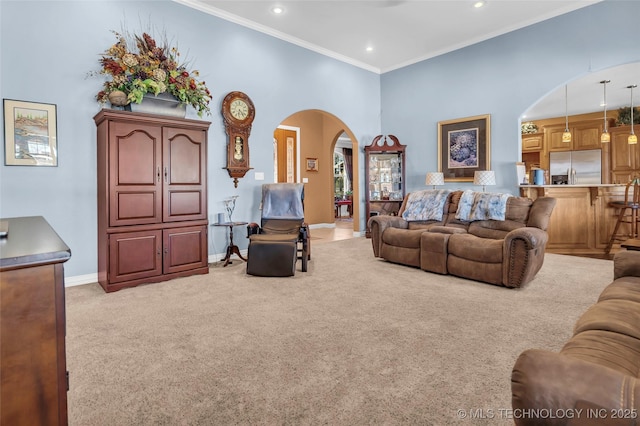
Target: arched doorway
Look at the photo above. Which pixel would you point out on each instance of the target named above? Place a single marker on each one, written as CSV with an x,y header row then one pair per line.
x,y
317,133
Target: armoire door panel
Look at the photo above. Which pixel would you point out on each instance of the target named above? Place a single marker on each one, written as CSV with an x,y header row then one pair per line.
x,y
136,206
183,150
185,203
136,160
185,189
135,255
185,248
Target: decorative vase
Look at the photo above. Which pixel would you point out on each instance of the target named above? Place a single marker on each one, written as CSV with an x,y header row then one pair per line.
x,y
163,104
118,98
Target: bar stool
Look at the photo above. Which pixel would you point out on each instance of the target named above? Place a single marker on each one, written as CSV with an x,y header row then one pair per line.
x,y
629,213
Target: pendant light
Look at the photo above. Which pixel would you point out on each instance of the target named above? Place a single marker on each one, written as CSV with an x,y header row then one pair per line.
x,y
605,137
632,139
566,136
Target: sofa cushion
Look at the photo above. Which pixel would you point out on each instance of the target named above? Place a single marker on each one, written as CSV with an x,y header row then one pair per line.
x,y
494,229
618,316
401,246
518,209
606,348
625,288
402,237
475,258
483,250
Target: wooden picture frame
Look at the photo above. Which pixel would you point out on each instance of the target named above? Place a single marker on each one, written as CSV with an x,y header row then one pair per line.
x,y
464,147
30,130
312,164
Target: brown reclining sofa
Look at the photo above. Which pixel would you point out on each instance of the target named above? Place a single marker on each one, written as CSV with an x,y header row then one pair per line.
x,y
594,379
505,252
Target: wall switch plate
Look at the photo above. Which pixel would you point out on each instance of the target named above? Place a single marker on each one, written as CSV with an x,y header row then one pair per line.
x,y
305,180
259,175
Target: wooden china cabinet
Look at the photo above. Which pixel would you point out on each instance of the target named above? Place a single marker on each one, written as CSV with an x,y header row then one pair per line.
x,y
384,177
152,198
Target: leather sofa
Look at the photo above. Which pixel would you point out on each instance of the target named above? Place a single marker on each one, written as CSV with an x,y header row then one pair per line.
x,y
505,252
594,377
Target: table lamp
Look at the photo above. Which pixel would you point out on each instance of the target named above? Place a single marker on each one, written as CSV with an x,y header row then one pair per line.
x,y
434,178
484,178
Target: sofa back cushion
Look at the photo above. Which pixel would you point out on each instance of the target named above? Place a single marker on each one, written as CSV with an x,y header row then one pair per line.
x,y
516,216
521,212
541,212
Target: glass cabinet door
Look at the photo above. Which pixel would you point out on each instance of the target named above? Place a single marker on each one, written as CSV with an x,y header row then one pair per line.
x,y
384,177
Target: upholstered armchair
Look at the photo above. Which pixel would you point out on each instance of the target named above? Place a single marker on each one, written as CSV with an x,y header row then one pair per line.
x,y
282,237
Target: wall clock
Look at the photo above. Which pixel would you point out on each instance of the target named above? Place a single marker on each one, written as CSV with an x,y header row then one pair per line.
x,y
238,113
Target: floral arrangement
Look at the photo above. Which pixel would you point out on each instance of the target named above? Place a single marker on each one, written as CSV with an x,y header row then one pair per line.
x,y
528,128
149,68
624,116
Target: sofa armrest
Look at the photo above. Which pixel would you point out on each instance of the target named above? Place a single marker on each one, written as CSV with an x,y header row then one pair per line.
x,y
377,225
544,380
626,264
523,255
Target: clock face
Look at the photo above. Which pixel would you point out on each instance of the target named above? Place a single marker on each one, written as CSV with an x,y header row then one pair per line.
x,y
239,109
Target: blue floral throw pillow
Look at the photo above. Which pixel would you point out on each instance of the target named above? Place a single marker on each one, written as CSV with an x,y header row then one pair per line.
x,y
425,205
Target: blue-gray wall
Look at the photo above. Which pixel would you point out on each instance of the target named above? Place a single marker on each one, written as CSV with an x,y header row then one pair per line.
x,y
47,48
503,77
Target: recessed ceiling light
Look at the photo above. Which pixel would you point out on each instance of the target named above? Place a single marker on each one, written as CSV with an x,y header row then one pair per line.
x,y
369,49
277,10
479,4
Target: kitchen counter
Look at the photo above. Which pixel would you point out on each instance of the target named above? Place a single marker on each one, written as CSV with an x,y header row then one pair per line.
x,y
582,221
590,185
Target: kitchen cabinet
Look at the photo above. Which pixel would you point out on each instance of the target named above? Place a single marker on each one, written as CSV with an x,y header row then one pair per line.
x,y
384,177
532,142
33,383
152,198
625,158
584,135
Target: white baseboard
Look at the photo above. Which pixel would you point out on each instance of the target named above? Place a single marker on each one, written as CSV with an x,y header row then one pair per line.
x,y
80,280
93,278
322,225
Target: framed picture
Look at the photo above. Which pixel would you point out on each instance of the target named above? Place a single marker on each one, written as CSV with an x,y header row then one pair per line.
x,y
312,164
464,146
30,134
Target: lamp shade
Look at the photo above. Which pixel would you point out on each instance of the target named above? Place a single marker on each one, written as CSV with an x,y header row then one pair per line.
x,y
434,178
484,177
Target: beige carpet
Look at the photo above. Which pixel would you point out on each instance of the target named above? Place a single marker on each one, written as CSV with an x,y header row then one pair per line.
x,y
353,341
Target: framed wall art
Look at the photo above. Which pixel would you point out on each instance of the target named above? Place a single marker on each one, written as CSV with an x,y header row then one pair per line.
x,y
312,164
464,147
30,134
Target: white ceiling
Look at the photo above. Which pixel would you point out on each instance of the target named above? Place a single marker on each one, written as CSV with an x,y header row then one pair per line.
x,y
403,32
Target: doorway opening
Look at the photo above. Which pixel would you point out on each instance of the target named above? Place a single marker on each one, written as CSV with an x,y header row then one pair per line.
x,y
309,147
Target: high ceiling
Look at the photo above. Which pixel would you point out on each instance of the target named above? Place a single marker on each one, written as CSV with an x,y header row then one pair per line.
x,y
403,32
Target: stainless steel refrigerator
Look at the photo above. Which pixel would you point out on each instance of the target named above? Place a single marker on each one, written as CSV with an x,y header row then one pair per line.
x,y
576,167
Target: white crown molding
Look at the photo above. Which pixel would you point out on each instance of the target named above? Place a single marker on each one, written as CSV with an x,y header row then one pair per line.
x,y
194,4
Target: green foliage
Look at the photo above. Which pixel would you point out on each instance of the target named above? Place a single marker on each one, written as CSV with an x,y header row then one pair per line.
x,y
624,116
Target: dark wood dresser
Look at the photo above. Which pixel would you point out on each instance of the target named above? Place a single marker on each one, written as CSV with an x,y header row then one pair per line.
x,y
33,372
